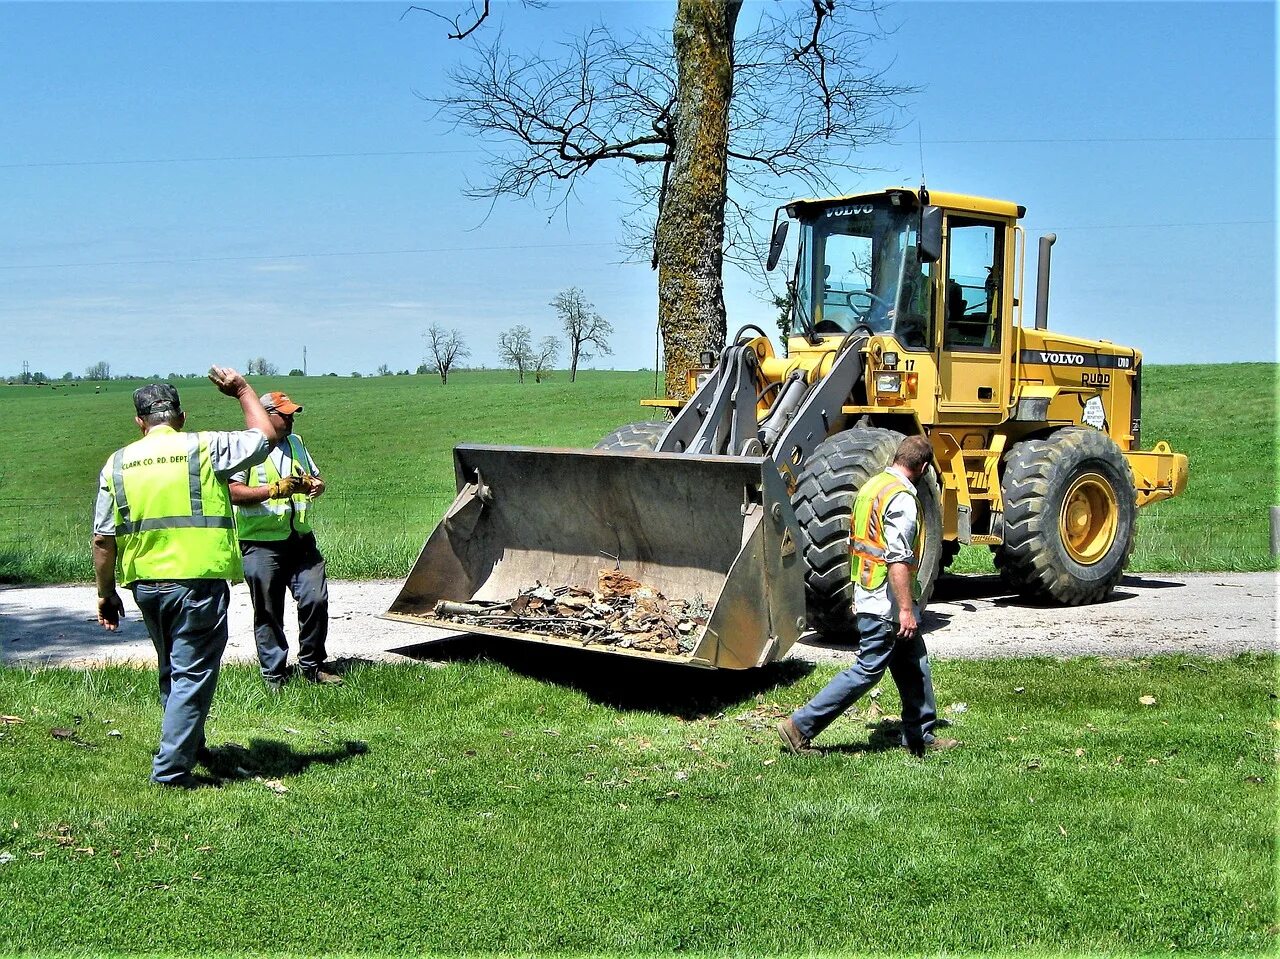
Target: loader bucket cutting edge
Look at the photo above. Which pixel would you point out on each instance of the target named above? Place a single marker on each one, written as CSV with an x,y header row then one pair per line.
x,y
716,528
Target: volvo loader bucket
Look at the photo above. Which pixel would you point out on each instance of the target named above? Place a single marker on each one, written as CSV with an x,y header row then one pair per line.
x,y
717,531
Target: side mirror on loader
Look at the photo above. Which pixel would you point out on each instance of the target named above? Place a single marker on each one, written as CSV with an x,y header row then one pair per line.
x,y
930,246
775,245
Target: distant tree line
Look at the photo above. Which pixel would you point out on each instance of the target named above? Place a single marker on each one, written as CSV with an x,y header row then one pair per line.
x,y
585,335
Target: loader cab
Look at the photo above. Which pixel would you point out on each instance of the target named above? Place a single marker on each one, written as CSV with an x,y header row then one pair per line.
x,y
860,268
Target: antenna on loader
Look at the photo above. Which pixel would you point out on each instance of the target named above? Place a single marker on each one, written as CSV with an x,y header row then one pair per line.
x,y
920,145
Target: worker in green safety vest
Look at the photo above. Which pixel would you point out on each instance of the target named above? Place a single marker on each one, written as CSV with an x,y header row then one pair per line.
x,y
886,543
273,517
163,525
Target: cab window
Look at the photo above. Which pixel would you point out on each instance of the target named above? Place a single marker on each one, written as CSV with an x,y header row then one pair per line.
x,y
847,273
971,312
913,324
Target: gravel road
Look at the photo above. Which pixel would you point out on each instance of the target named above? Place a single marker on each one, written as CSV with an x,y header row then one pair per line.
x,y
1200,614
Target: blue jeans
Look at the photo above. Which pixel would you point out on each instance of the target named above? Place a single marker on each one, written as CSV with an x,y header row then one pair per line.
x,y
906,660
187,621
271,567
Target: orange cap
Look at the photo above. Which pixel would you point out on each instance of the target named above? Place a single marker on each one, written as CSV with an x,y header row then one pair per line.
x,y
277,402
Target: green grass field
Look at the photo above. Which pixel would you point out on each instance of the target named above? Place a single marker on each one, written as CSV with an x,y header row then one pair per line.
x,y
384,443
533,806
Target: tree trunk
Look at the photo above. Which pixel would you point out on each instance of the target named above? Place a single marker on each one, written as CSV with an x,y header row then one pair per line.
x,y
573,359
690,229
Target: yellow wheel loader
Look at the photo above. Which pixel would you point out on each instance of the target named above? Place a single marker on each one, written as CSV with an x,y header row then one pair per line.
x,y
907,317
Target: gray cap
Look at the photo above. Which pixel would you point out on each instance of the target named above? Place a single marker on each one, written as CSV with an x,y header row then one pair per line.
x,y
156,398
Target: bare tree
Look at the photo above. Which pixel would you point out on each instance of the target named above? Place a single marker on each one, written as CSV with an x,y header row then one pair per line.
x,y
259,366
515,349
705,124
467,22
544,358
98,371
444,349
583,327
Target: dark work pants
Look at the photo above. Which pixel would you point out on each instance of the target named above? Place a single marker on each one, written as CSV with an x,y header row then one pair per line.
x,y
187,620
271,567
907,661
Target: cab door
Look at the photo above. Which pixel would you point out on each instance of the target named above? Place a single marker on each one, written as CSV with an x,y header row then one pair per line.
x,y
973,370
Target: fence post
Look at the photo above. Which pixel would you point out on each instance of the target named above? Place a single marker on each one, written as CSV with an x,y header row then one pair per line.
x,y
1275,531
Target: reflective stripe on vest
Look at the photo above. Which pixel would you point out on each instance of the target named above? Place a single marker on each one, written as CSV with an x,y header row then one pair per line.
x,y
173,515
867,546
274,519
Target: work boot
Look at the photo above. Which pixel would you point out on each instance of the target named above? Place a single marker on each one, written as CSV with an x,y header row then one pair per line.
x,y
189,781
321,676
935,745
793,740
275,683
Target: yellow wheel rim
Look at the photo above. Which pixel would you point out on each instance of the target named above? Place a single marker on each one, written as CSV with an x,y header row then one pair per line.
x,y
1089,519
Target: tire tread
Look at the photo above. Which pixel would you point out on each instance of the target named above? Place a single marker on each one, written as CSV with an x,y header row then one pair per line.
x,y
1029,560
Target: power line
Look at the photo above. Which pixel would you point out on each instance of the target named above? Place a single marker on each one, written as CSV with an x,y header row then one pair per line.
x,y
528,246
370,154
1114,140
230,159
294,256
1158,226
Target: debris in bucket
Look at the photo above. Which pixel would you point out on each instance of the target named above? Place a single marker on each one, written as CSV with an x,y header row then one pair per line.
x,y
621,612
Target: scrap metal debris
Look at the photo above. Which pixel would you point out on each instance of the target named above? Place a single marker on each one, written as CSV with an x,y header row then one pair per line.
x,y
621,612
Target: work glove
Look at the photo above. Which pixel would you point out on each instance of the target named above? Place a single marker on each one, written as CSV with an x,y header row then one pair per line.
x,y
285,487
311,484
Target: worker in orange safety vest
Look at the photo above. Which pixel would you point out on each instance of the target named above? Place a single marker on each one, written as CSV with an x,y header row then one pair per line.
x,y
886,542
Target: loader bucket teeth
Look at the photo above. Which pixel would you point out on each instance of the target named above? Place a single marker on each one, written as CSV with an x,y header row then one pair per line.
x,y
715,531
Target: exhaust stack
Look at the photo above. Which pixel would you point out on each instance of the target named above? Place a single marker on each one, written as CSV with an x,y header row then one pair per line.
x,y
1042,281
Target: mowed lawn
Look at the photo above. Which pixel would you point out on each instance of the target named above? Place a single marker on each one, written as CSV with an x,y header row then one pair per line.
x,y
550,803
385,446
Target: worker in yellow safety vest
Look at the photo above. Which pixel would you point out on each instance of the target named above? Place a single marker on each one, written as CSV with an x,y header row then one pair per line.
x,y
273,517
163,523
886,543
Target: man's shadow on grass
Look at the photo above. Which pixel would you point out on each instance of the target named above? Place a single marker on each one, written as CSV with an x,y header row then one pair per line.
x,y
620,682
883,735
273,759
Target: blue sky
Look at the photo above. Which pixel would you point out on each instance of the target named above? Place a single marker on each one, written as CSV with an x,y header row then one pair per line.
x,y
138,228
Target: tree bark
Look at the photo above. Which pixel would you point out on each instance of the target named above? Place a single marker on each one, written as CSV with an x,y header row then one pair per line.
x,y
690,229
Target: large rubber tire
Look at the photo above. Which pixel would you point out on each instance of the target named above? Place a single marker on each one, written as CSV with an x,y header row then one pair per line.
x,y
634,438
823,502
1069,515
